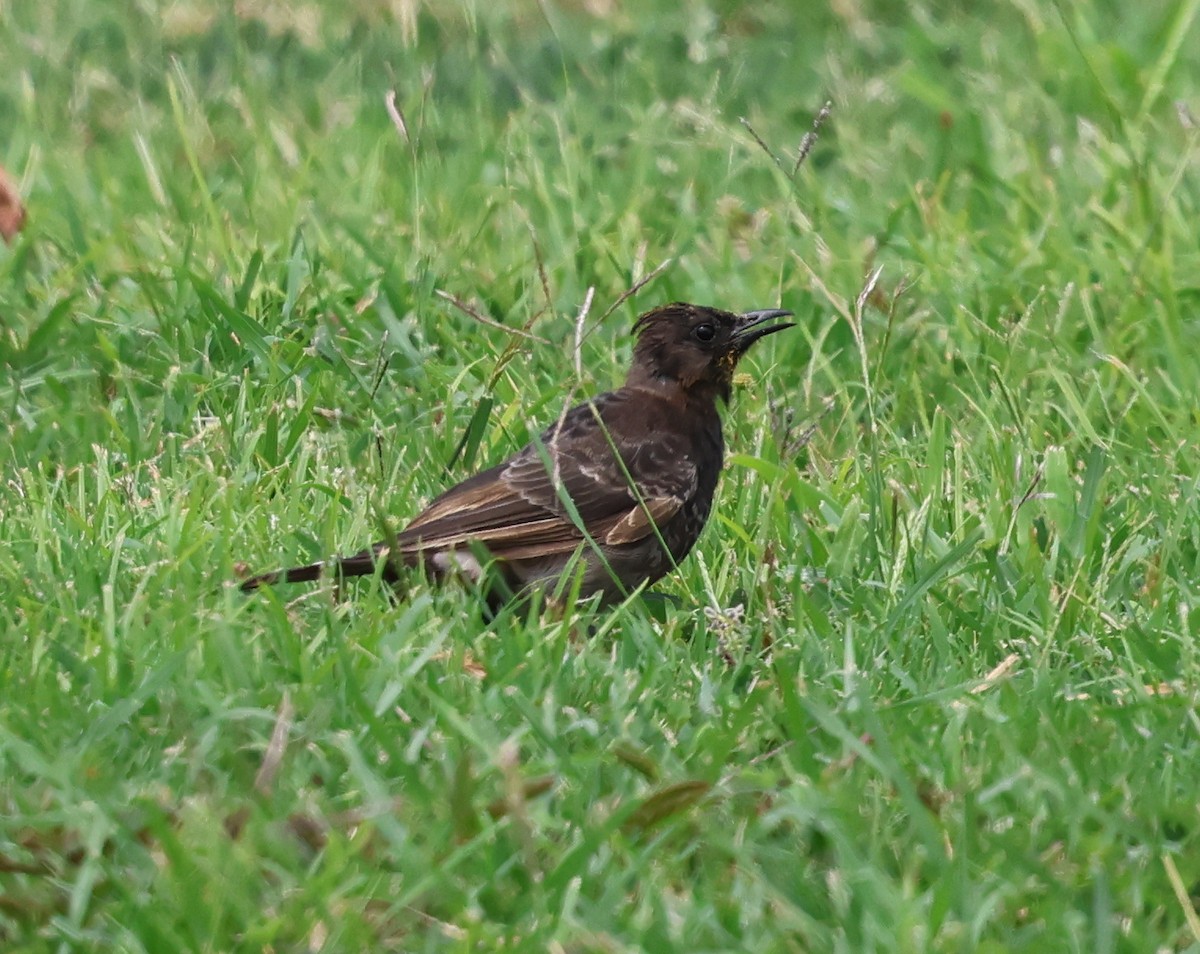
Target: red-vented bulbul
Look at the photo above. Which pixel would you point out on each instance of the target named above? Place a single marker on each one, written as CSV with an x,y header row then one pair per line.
x,y
622,483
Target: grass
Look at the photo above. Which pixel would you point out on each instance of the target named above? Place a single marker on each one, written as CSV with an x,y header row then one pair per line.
x,y
930,681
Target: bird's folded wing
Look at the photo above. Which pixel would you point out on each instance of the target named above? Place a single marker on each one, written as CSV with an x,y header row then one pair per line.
x,y
519,510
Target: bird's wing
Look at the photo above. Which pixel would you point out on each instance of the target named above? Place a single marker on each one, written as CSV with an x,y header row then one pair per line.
x,y
518,509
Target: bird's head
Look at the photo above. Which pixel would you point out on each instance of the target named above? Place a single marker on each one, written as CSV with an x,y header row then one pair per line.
x,y
696,348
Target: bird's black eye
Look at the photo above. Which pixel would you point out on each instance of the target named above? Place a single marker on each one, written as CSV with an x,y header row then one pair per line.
x,y
704,332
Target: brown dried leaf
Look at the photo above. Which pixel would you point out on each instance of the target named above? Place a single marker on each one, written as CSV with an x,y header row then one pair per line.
x,y
664,802
273,757
636,759
12,212
529,789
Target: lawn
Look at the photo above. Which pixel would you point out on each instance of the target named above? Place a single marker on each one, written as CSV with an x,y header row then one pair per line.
x,y
929,681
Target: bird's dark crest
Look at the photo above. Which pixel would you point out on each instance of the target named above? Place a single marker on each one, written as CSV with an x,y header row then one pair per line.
x,y
694,349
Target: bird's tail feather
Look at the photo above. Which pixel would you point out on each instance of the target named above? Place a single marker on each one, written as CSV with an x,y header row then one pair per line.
x,y
361,564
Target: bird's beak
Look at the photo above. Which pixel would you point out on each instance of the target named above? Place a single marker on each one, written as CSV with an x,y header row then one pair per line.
x,y
752,325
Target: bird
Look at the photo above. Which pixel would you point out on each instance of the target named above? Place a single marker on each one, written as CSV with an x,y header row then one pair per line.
x,y
618,488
